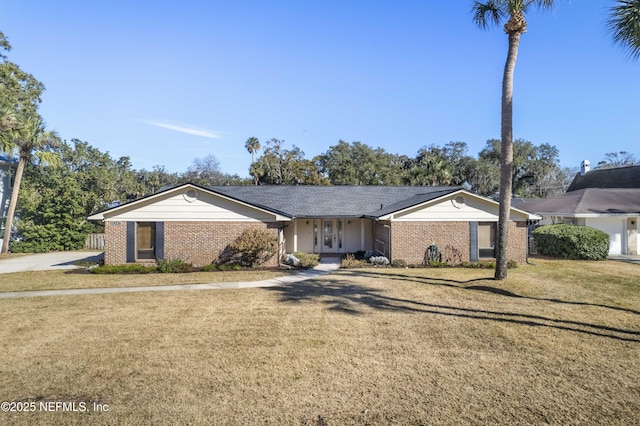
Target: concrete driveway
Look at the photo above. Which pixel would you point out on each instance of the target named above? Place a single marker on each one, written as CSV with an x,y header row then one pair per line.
x,y
47,261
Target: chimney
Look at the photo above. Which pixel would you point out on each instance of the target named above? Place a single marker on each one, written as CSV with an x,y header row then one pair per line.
x,y
585,166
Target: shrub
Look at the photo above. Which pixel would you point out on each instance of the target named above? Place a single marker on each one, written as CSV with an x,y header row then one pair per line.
x,y
173,266
451,255
129,268
432,254
379,260
209,268
253,247
229,267
351,260
572,242
479,265
511,264
307,260
399,263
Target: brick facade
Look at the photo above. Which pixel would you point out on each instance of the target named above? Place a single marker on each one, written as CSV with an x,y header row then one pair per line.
x,y
410,240
517,248
199,243
115,243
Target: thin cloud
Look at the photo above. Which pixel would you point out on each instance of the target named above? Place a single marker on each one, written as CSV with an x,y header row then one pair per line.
x,y
185,129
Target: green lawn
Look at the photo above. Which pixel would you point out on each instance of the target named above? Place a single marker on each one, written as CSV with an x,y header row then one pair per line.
x,y
556,343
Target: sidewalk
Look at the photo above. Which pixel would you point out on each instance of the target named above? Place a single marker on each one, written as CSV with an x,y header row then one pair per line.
x,y
629,258
326,266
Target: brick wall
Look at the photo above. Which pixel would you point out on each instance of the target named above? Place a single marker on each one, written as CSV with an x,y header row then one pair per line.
x,y
199,243
115,243
517,247
409,241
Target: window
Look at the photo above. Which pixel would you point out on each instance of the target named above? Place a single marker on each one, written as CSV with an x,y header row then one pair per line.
x,y
487,239
145,240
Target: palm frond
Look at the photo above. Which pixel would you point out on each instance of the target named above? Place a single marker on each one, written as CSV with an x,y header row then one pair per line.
x,y
522,6
48,158
488,13
624,25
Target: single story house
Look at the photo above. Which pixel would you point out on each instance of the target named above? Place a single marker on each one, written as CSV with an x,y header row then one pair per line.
x,y
605,199
196,223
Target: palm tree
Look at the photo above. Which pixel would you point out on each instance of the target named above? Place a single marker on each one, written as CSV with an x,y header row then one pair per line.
x,y
7,119
494,12
29,140
624,24
253,145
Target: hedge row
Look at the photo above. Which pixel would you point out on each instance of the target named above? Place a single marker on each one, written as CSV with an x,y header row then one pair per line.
x,y
572,242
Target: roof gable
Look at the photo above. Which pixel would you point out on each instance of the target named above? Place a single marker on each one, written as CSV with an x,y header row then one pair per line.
x,y
459,205
189,202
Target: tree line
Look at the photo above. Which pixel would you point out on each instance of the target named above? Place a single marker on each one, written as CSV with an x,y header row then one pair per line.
x,y
537,171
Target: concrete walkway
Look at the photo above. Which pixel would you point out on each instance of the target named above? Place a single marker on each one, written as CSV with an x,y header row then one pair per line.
x,y
325,267
47,261
629,258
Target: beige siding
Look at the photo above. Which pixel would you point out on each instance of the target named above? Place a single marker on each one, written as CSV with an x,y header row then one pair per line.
x,y
472,209
305,236
353,235
179,207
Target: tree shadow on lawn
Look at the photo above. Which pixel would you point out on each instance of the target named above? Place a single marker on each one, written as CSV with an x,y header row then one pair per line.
x,y
340,295
485,288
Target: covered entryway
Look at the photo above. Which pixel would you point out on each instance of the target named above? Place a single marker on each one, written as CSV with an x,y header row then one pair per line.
x,y
328,235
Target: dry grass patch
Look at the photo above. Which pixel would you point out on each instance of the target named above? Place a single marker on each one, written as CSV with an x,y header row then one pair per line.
x,y
370,346
72,279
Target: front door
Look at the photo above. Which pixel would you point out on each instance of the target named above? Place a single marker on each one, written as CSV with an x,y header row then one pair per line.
x,y
331,236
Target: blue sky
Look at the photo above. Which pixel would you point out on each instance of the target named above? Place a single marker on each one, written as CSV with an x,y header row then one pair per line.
x,y
166,82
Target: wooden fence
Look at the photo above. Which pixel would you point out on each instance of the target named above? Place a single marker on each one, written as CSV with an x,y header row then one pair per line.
x,y
94,242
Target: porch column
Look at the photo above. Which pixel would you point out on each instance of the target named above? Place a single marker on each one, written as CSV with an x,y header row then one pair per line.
x,y
281,247
295,235
362,234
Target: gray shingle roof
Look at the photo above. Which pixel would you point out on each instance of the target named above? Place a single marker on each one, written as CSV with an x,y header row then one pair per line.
x,y
334,201
587,201
618,177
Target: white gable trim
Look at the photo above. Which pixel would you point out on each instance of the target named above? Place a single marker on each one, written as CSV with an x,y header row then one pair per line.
x,y
397,215
127,209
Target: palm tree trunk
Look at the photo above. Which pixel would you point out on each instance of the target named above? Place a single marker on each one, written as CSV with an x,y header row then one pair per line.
x,y
12,205
506,156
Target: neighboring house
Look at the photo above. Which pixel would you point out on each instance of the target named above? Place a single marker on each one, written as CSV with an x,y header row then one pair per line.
x,y
6,187
606,199
196,223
